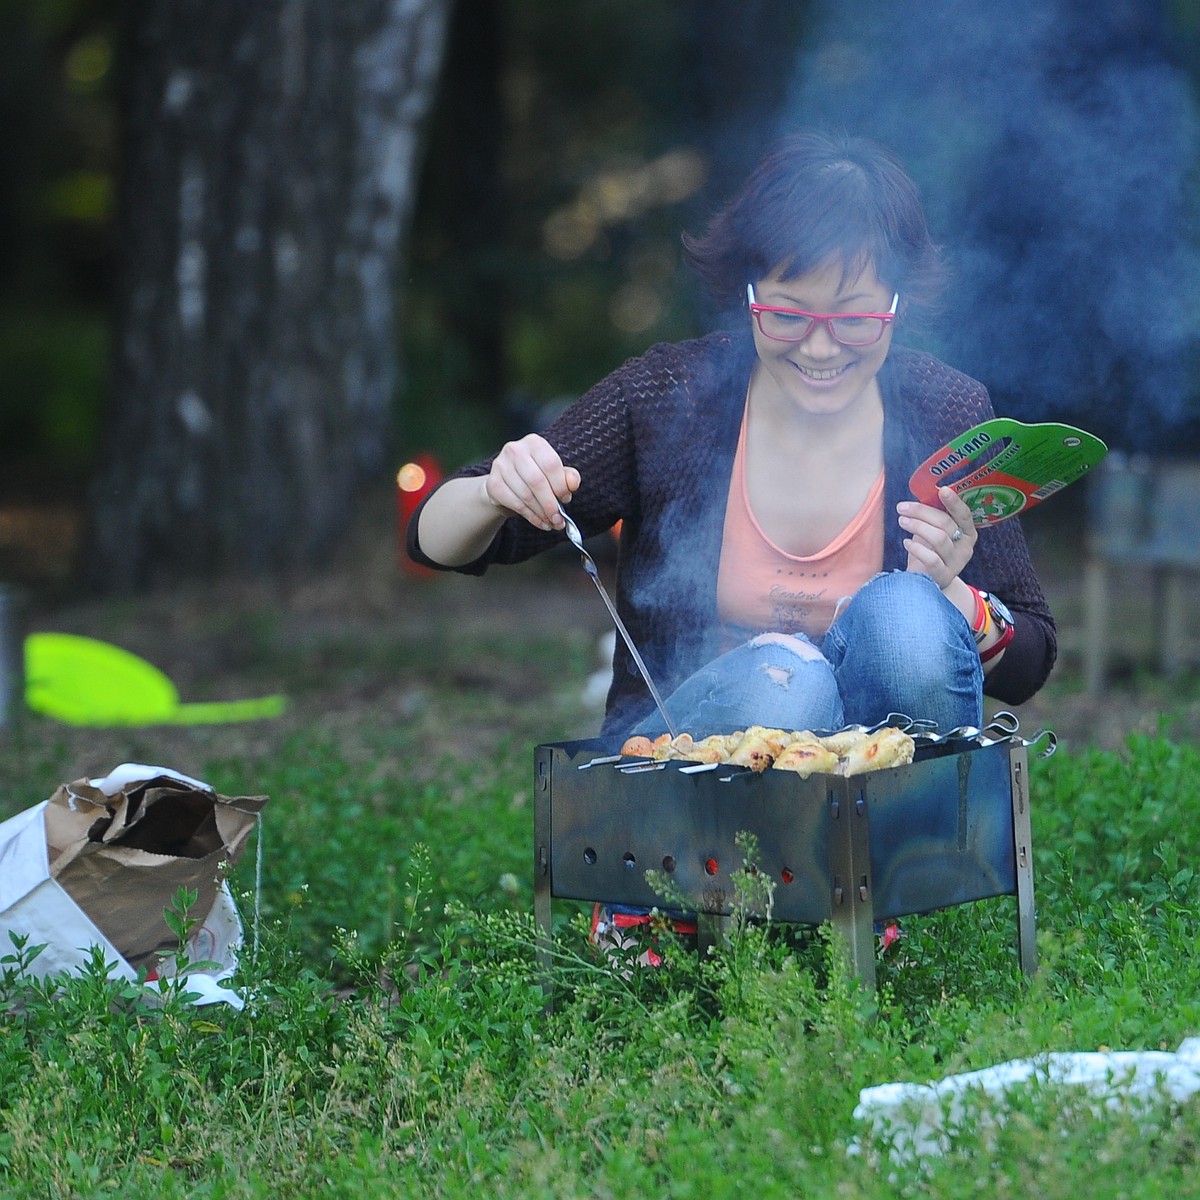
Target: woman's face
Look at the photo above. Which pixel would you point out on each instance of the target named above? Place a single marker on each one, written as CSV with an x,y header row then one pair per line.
x,y
819,374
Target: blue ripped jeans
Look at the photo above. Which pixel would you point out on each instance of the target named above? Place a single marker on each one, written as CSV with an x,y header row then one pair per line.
x,y
897,646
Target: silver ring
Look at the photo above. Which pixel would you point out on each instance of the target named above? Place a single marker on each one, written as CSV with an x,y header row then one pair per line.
x,y
957,535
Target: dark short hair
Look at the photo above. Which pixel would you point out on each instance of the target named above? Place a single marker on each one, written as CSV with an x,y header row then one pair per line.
x,y
815,199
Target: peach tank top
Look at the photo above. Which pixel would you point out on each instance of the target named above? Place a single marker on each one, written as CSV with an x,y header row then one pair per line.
x,y
763,588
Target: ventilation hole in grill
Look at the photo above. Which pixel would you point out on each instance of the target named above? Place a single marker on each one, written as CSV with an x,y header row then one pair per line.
x,y
786,875
711,866
668,863
589,857
629,860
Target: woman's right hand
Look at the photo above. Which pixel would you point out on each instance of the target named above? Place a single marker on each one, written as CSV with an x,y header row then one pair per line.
x,y
459,521
528,479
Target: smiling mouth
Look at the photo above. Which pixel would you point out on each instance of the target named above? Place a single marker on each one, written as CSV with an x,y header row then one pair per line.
x,y
822,376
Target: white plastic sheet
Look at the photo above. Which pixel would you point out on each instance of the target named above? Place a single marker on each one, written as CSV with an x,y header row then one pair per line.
x,y
919,1119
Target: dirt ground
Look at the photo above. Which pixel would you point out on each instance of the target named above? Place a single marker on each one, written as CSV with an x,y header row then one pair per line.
x,y
206,636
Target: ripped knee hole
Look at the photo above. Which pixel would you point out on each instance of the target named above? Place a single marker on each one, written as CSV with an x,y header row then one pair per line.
x,y
780,676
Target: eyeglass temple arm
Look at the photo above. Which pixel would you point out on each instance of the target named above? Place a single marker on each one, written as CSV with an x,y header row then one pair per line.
x,y
891,311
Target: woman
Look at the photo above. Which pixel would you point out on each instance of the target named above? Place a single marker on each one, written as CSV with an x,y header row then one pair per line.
x,y
773,567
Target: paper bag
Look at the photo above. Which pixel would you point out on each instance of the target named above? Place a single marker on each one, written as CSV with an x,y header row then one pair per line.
x,y
97,863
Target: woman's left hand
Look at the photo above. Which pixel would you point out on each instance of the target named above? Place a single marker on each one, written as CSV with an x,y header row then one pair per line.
x,y
940,541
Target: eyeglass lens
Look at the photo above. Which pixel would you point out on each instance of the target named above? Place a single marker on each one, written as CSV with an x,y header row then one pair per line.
x,y
794,327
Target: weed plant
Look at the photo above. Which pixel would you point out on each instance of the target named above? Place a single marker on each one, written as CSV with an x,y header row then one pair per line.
x,y
396,1039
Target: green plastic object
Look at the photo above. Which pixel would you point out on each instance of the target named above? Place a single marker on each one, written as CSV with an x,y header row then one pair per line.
x,y
1025,464
83,681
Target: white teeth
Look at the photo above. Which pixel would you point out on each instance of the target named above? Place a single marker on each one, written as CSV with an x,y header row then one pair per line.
x,y
821,376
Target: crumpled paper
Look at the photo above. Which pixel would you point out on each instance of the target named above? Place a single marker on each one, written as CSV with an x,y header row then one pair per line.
x,y
96,864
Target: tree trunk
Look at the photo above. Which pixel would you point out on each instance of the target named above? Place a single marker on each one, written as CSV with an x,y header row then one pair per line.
x,y
267,184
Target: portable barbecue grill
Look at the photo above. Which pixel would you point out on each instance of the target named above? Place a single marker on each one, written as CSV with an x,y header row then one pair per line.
x,y
950,828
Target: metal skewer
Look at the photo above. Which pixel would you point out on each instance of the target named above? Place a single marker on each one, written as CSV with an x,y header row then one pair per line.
x,y
589,565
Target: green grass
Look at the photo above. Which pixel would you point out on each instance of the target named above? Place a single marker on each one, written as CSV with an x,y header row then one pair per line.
x,y
395,1043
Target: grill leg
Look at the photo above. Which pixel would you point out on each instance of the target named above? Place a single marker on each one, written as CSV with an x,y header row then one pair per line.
x,y
854,920
853,903
1023,848
542,908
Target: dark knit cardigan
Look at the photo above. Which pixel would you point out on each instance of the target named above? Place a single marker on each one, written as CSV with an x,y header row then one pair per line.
x,y
654,444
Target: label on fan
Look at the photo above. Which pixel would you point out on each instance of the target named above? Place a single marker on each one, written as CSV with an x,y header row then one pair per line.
x,y
1021,466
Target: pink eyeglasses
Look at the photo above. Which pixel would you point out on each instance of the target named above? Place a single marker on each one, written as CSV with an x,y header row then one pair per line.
x,y
794,324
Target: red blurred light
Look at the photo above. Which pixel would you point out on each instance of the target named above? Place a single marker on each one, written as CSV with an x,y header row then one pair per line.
x,y
414,481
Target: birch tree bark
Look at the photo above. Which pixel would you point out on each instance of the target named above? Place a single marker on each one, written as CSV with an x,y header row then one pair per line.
x,y
267,181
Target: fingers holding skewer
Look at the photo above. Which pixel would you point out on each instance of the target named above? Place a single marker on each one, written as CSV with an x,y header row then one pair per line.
x,y
528,479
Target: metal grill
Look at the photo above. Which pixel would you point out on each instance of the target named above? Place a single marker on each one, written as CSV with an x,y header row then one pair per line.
x,y
950,828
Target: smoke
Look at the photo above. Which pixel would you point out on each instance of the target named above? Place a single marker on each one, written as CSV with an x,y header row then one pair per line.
x,y
1056,145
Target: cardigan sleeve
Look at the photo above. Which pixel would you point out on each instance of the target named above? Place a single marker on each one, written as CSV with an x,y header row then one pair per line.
x,y
1001,564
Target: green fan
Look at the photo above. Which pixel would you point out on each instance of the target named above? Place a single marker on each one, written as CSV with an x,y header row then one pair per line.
x,y
82,681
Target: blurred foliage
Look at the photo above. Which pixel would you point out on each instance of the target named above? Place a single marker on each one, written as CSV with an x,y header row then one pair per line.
x,y
569,148
58,144
53,366
565,156
545,244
